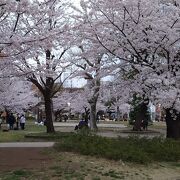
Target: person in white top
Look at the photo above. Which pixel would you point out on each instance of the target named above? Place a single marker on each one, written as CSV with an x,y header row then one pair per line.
x,y
22,121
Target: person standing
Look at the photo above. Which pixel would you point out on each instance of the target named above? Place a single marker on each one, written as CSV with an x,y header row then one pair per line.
x,y
17,121
22,121
11,121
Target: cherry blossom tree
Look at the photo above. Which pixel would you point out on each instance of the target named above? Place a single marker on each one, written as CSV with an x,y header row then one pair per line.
x,y
91,63
75,101
34,39
144,34
71,100
17,95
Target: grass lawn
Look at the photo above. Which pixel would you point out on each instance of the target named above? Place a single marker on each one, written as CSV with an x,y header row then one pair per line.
x,y
18,135
85,156
130,149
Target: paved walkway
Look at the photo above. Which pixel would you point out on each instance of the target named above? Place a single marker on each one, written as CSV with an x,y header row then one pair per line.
x,y
111,129
26,144
69,127
102,125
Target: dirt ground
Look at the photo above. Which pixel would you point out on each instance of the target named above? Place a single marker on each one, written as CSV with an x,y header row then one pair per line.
x,y
40,163
27,158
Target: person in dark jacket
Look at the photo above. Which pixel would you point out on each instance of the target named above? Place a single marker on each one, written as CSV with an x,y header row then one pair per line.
x,y
82,124
11,121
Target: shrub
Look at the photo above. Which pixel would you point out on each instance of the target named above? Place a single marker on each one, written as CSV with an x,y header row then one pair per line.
x,y
131,149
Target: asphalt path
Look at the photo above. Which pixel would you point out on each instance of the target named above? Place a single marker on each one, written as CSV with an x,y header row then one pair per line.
x,y
101,125
112,130
69,127
26,144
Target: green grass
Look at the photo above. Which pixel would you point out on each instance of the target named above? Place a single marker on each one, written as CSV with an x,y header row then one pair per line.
x,y
11,136
132,149
114,174
16,175
18,135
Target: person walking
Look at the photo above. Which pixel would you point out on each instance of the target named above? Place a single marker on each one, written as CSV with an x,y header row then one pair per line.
x,y
22,121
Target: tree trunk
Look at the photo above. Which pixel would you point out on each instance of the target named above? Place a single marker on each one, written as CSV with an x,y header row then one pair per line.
x,y
137,124
93,102
46,87
93,125
140,115
118,114
173,124
48,112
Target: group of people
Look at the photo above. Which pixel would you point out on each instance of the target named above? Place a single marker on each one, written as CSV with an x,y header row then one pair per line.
x,y
14,122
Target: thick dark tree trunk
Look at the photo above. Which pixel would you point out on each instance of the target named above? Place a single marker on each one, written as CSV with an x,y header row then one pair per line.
x,y
93,124
93,102
48,112
173,124
137,124
87,114
118,114
140,115
46,87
